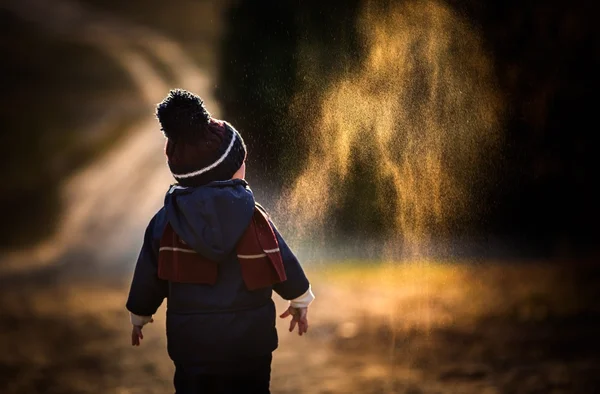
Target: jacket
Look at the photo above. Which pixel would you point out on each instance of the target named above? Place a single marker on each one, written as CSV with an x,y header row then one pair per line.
x,y
224,321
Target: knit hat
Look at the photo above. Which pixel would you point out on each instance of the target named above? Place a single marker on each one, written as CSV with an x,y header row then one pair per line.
x,y
200,149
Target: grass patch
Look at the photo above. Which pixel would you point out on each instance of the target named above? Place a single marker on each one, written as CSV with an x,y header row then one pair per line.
x,y
430,293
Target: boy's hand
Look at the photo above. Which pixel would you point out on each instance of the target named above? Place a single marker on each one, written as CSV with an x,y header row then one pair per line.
x,y
137,335
299,316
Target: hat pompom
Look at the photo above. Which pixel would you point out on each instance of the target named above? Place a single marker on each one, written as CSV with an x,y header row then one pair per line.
x,y
182,113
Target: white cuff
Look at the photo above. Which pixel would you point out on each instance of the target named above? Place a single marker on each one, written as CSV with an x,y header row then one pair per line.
x,y
304,300
138,320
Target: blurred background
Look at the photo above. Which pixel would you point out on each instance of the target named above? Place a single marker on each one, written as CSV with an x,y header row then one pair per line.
x,y
430,161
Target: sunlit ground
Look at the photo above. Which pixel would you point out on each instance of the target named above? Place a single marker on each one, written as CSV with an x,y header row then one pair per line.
x,y
375,328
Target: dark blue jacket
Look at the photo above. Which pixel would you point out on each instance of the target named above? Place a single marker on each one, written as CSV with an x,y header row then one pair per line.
x,y
223,322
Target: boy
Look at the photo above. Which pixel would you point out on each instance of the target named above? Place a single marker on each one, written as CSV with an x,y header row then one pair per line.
x,y
215,255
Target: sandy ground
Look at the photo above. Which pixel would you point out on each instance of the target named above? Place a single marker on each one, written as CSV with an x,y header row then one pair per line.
x,y
423,328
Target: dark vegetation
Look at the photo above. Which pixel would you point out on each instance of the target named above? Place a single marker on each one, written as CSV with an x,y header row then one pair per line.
x,y
58,111
541,191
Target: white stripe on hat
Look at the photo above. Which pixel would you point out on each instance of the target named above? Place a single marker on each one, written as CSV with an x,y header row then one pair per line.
x,y
213,165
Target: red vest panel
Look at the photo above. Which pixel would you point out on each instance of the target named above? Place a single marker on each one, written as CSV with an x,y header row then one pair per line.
x,y
257,252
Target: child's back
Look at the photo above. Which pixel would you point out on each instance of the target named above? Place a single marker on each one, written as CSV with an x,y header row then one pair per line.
x,y
212,252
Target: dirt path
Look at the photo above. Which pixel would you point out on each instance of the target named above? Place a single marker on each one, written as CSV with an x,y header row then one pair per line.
x,y
126,185
60,335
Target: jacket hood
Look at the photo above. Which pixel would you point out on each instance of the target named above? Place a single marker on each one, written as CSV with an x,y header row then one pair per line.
x,y
211,218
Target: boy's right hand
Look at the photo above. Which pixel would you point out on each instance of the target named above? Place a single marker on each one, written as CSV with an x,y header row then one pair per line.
x,y
299,316
136,335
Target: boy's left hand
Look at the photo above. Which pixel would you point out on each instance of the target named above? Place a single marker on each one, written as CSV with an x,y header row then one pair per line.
x,y
299,316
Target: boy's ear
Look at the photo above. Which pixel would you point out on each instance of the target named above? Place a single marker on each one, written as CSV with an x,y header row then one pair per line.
x,y
241,172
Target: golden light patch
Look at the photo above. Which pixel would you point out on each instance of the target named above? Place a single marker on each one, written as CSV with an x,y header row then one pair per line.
x,y
424,110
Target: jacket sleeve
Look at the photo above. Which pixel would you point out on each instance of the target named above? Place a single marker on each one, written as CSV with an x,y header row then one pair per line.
x,y
147,290
296,284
